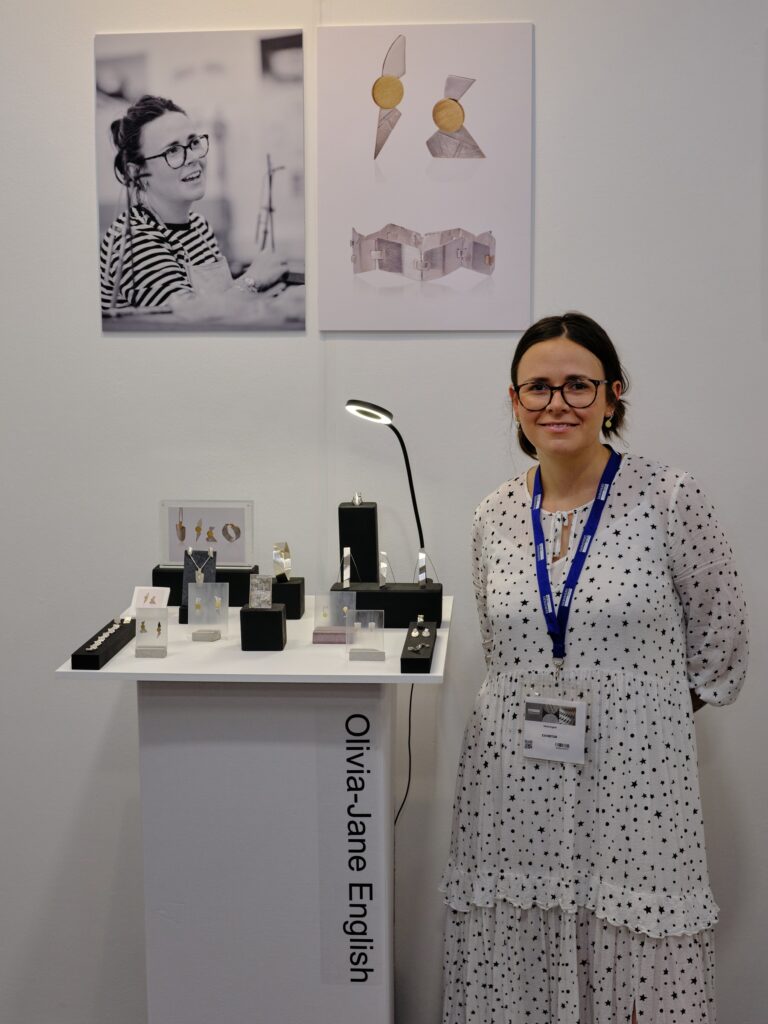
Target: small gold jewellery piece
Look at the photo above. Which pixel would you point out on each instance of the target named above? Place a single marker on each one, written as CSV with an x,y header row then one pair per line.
x,y
452,140
159,628
143,628
217,603
210,536
448,115
230,532
198,529
608,423
387,92
198,605
181,530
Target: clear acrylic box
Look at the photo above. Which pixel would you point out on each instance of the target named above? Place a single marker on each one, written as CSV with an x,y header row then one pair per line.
x,y
208,611
365,635
151,632
331,612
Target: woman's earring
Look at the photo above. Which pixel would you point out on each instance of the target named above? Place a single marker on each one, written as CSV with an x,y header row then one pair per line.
x,y
608,423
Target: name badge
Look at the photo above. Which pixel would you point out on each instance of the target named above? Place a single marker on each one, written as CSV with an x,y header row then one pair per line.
x,y
555,730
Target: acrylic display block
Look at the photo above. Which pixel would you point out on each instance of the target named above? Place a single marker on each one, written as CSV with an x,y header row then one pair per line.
x,y
331,612
262,629
208,611
365,635
291,594
152,633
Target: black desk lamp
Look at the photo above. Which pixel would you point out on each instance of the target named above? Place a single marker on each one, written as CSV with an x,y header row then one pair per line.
x,y
376,414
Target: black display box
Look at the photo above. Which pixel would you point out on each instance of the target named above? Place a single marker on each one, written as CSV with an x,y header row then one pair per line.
x,y
291,594
418,660
359,531
263,629
83,659
238,579
402,603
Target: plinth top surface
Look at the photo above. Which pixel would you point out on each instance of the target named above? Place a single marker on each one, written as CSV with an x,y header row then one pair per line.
x,y
300,662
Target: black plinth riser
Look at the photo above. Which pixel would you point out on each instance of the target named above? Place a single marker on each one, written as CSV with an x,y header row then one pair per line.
x,y
238,579
263,629
402,603
291,594
359,531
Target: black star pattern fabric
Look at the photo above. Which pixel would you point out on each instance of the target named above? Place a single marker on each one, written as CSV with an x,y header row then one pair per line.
x,y
572,889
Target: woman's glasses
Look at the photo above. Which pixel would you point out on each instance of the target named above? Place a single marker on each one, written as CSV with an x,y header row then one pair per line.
x,y
176,155
578,393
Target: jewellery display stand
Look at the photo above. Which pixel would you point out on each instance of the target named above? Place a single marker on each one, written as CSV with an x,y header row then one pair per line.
x,y
260,904
402,603
104,645
419,647
330,614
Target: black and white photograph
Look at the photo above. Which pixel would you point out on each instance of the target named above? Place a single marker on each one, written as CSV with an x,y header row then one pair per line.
x,y
200,180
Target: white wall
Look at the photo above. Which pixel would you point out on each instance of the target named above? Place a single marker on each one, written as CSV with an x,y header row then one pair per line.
x,y
650,197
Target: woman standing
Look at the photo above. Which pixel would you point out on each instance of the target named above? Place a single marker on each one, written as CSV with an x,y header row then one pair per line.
x,y
577,883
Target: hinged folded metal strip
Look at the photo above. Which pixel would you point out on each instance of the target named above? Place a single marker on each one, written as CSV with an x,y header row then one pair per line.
x,y
398,250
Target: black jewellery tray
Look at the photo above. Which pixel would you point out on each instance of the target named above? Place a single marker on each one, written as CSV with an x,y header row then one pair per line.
x,y
418,650
116,641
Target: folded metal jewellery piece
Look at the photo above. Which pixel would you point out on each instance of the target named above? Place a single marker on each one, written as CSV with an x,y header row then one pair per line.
x,y
418,257
281,559
452,140
346,568
387,91
230,532
422,566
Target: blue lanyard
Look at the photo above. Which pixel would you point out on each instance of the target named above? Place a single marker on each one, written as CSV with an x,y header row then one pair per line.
x,y
557,622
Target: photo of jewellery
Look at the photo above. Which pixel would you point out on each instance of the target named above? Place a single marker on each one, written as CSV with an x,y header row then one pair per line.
x,y
387,92
452,140
181,530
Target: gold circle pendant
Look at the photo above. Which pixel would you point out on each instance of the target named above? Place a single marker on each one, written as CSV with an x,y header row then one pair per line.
x,y
448,115
387,92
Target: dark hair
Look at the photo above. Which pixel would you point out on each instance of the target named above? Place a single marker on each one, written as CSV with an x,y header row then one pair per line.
x,y
126,133
590,335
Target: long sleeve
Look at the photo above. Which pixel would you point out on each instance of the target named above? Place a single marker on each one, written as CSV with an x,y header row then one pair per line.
x,y
707,583
479,579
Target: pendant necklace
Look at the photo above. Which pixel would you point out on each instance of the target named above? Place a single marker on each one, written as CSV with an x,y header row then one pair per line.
x,y
199,576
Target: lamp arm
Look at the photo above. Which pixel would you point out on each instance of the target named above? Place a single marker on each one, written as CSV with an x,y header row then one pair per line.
x,y
397,434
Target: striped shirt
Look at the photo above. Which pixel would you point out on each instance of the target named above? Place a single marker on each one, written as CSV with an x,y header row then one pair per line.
x,y
155,258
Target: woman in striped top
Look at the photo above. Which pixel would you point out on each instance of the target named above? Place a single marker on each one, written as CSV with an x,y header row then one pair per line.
x,y
158,253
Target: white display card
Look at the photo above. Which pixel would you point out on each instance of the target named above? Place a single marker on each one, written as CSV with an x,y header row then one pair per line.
x,y
149,598
555,730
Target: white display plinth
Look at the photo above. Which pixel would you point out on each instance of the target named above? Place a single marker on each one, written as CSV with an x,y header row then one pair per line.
x,y
267,814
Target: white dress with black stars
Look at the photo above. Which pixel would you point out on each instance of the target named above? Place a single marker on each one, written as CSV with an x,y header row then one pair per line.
x,y
577,891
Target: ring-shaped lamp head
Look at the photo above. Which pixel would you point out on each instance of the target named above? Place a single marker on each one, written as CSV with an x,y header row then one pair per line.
x,y
370,412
